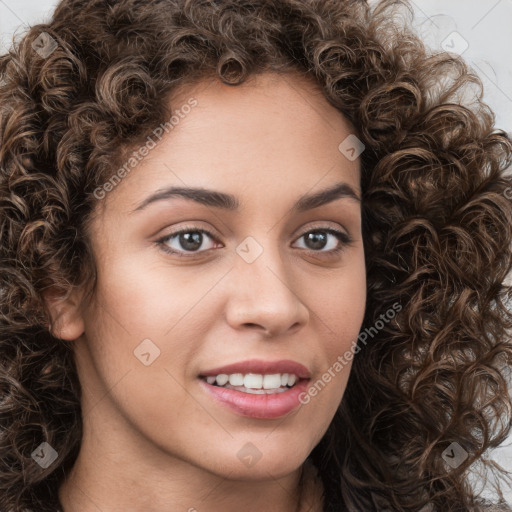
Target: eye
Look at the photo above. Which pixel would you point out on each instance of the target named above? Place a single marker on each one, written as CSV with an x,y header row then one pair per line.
x,y
325,240
191,240
188,239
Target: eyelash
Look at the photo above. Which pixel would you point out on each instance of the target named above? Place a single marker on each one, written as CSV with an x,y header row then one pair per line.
x,y
344,238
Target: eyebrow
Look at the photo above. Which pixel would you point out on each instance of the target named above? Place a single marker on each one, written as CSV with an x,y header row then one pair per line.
x,y
231,203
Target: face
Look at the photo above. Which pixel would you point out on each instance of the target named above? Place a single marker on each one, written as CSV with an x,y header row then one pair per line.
x,y
265,282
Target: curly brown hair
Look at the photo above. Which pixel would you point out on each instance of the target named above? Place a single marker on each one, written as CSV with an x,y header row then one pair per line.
x,y
437,225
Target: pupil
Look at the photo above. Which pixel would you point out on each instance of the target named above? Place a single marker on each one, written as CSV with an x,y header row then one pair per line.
x,y
186,243
318,238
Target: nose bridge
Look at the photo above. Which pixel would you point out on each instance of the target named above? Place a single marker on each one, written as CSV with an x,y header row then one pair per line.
x,y
263,293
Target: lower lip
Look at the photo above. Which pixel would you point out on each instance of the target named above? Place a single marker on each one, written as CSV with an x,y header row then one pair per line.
x,y
268,406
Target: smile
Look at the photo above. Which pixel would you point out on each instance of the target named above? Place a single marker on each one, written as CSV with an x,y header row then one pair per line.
x,y
254,383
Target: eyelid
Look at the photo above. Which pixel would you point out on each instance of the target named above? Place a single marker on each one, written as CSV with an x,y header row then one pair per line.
x,y
320,225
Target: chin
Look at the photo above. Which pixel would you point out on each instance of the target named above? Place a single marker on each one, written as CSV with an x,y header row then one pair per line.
x,y
250,463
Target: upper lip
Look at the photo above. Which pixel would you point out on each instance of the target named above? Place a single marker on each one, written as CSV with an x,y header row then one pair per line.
x,y
261,367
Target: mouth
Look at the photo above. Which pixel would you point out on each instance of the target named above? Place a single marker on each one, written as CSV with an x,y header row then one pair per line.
x,y
254,383
260,396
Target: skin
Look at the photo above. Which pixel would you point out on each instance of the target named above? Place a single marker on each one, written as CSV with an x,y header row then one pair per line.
x,y
154,440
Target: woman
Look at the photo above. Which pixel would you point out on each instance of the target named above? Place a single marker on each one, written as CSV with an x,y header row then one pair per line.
x,y
252,258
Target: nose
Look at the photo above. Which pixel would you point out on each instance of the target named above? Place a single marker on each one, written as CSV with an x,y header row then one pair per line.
x,y
264,297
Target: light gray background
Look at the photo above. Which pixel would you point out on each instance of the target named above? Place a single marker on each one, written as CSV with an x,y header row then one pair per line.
x,y
480,29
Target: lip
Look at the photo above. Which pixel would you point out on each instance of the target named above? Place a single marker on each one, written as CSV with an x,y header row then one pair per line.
x,y
263,406
261,366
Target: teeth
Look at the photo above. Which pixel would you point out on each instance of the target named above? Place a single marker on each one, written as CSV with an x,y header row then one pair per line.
x,y
236,379
272,381
222,379
256,391
253,381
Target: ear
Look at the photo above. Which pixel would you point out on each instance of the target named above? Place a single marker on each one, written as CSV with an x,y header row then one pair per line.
x,y
67,321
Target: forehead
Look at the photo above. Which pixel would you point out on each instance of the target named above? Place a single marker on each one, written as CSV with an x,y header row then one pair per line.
x,y
271,119
289,93
272,132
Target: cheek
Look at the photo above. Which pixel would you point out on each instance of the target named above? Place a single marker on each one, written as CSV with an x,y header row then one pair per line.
x,y
340,311
130,355
144,320
151,297
341,307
